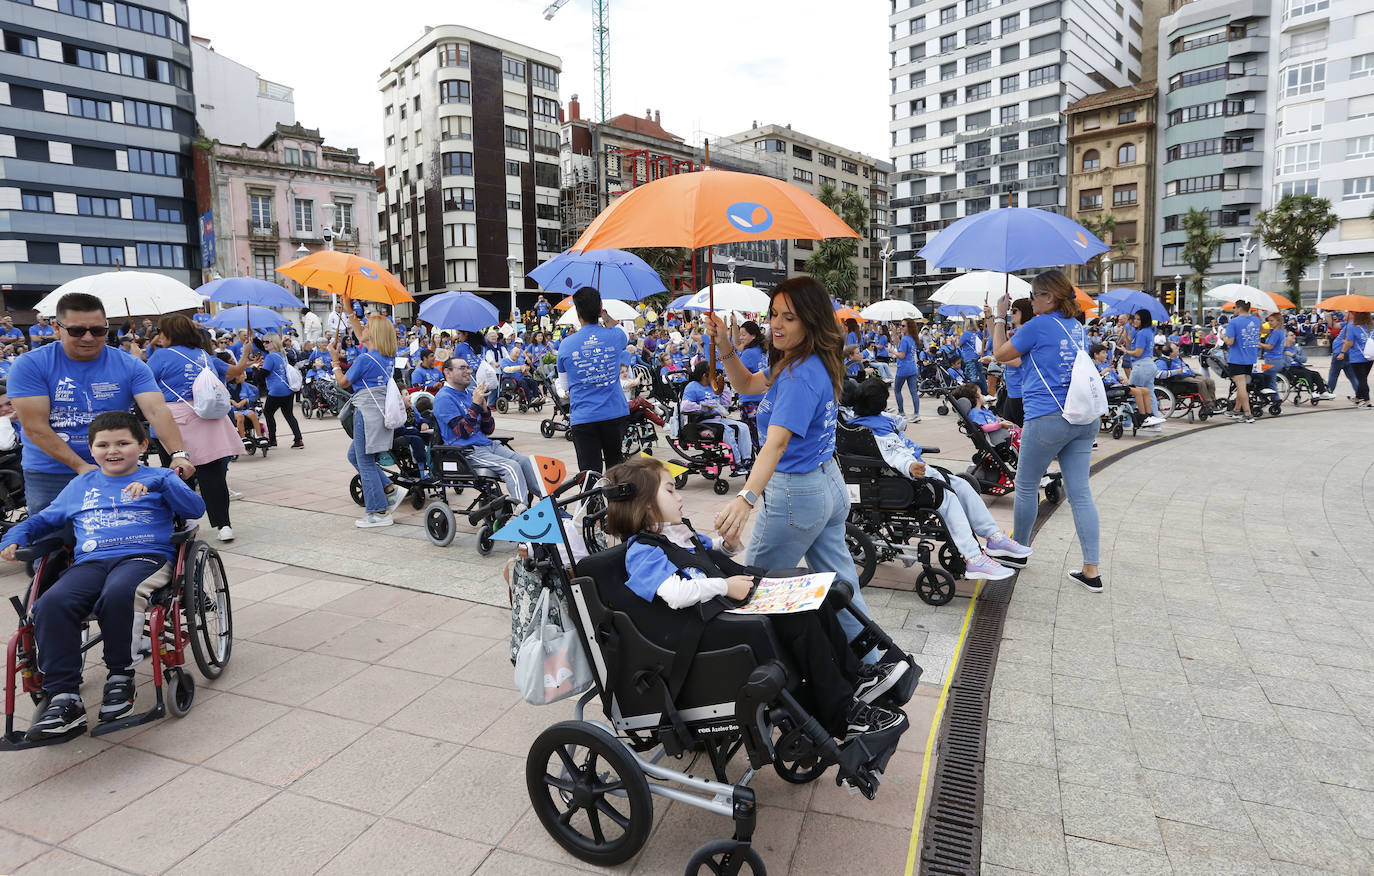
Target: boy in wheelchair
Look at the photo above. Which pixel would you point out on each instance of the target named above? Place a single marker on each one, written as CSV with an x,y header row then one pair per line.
x,y
962,510
667,560
122,515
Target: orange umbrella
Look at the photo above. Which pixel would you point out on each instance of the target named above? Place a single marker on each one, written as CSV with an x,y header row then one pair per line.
x,y
849,313
1359,303
1086,302
1276,302
340,273
564,304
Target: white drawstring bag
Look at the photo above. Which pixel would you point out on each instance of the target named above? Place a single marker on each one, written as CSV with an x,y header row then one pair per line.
x,y
293,379
1369,347
551,664
1086,400
209,396
394,411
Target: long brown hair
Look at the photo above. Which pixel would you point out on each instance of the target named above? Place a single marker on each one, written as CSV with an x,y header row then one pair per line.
x,y
639,512
821,333
1023,309
1060,291
180,331
1360,318
912,329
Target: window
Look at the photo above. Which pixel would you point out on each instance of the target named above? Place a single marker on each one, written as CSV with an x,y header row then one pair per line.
x,y
1123,270
1043,106
1360,147
1042,167
148,209
305,216
1044,12
1010,83
828,180
1011,23
949,210
37,202
916,80
516,111
949,43
978,177
460,234
1008,114
1193,149
1046,43
147,115
1009,172
260,210
978,91
457,163
453,55
544,76
1010,53
972,7
1197,77
20,44
1362,65
1124,196
1092,160
768,146
265,266
517,138
977,148
96,206
1207,110
1304,7
916,133
89,109
1191,185
948,98
1300,158
512,201
455,128
82,9
545,109
1360,106
1125,232
455,91
1125,117
1090,199
1297,187
154,162
513,70
546,175
1125,154
1357,189
949,70
1198,40
1303,78
981,61
102,255
948,14
546,142
948,126
160,255
1043,136
980,33
918,24
801,152
917,53
977,205
458,199
1009,143
948,154
801,175
138,18
977,121
1042,198
1041,75
293,155
512,168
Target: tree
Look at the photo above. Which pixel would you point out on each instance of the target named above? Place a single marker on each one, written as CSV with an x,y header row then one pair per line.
x,y
1199,248
1101,226
666,261
1292,229
832,262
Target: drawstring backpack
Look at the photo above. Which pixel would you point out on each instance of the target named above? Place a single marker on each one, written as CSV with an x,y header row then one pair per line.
x,y
1086,400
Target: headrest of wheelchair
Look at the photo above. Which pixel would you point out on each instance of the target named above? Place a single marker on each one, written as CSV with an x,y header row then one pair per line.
x,y
848,391
422,402
963,405
618,492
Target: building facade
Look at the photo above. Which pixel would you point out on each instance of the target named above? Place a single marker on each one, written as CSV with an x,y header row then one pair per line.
x,y
233,103
97,120
809,163
1215,149
977,95
281,199
1323,136
1111,174
472,126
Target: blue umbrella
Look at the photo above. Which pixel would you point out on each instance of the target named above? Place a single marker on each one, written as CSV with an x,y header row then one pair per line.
x,y
957,310
680,302
460,310
260,319
249,290
615,273
1012,239
1129,301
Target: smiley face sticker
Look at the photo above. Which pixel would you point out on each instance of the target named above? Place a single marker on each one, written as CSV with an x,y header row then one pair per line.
x,y
552,472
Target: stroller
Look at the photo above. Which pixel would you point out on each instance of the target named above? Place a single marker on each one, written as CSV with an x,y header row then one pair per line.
x,y
994,457
701,446
940,374
321,397
562,410
12,503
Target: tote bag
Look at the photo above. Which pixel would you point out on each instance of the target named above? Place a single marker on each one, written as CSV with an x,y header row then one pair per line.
x,y
551,664
293,378
1086,400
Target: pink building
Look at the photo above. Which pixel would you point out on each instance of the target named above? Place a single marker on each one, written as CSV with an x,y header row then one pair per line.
x,y
287,193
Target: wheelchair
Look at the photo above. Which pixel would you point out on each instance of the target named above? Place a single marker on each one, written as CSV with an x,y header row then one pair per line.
x,y
1120,412
1262,398
640,435
702,448
13,506
893,517
674,686
1302,387
191,608
994,459
511,391
255,441
320,398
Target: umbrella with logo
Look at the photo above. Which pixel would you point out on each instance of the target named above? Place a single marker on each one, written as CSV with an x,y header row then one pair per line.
x,y
341,273
127,293
248,316
614,273
460,310
249,290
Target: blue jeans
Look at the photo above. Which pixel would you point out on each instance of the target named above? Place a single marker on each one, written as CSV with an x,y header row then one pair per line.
x,y
802,516
41,487
975,373
1143,373
1050,437
910,382
374,479
1339,367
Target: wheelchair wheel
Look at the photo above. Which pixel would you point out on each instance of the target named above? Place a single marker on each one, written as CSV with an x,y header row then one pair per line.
x,y
1203,412
209,613
546,428
943,409
1118,430
252,449
502,406
863,550
935,586
1275,409
440,524
721,486
680,481
947,557
1052,492
485,542
180,691
589,793
355,490
725,856
1165,396
1282,387
417,499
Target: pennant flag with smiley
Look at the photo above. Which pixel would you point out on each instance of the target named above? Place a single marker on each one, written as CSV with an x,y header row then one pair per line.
x,y
552,472
538,525
673,468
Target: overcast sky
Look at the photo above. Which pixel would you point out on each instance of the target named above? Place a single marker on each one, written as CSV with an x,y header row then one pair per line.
x,y
710,66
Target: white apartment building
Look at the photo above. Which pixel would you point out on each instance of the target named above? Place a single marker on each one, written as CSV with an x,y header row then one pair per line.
x,y
235,105
977,92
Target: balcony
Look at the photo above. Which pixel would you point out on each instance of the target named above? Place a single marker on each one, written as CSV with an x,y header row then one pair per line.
x,y
990,189
1047,150
1245,84
258,231
1234,197
1249,158
1242,122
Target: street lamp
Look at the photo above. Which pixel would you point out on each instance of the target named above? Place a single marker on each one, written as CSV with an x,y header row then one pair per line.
x,y
1245,249
513,265
730,263
1349,272
886,255
1321,275
1178,291
1106,270
300,253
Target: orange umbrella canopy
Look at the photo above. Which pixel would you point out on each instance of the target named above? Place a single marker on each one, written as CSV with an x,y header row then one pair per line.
x,y
1086,302
341,273
708,207
1359,303
849,313
564,304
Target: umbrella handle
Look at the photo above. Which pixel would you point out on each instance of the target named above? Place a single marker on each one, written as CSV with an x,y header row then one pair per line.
x,y
717,379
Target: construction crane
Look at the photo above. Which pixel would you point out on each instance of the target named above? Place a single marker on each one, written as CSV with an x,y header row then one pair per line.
x,y
601,47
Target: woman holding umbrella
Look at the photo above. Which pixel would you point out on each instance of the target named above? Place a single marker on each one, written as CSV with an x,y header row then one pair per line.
x,y
280,395
368,377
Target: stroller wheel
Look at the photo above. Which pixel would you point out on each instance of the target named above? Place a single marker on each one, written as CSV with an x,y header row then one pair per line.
x,y
567,434
721,486
1117,431
1275,409
935,586
1052,492
546,428
726,856
251,447
942,410
680,481
355,490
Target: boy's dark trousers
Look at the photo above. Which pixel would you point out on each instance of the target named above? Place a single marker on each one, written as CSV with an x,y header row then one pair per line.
x,y
114,588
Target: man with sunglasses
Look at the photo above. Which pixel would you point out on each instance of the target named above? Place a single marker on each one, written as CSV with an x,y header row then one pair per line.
x,y
58,389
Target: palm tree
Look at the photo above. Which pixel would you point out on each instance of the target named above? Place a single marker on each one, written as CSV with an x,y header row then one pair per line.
x,y
832,263
1101,226
667,261
1202,244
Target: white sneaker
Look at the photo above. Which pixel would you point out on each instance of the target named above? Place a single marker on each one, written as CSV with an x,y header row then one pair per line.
x,y
370,521
913,419
235,494
395,498
226,533
1152,421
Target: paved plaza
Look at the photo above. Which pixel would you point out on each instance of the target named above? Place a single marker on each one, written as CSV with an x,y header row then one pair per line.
x,y
1208,713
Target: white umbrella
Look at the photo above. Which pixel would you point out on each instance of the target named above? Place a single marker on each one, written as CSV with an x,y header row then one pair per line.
x,y
886,311
127,293
730,296
614,308
1258,298
980,289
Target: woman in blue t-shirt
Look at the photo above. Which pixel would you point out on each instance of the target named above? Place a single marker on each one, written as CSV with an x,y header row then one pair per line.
x,y
754,357
1350,345
280,396
368,377
1047,346
1013,409
795,481
908,371
1141,350
1242,340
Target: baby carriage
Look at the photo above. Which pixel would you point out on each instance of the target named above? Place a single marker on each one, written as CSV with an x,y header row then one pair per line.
x,y
994,457
701,446
940,375
12,503
562,410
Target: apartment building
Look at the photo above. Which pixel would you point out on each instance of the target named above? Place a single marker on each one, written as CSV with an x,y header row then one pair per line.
x,y
233,103
1111,173
977,92
96,124
471,122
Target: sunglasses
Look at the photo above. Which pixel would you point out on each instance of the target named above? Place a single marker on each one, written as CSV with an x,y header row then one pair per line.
x,y
80,331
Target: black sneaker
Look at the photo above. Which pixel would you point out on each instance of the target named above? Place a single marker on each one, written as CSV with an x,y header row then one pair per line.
x,y
863,718
1092,585
118,699
63,714
876,679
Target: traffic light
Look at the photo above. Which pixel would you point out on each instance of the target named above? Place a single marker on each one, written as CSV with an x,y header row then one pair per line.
x,y
1168,296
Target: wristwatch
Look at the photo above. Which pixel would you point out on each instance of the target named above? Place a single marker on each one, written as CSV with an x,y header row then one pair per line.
x,y
750,498
181,454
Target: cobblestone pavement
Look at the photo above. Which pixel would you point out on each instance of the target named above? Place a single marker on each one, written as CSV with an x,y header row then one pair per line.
x,y
1213,710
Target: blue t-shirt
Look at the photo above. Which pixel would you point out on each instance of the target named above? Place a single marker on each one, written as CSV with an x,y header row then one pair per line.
x,y
968,346
756,360
13,334
176,368
880,342
1246,331
423,376
1011,379
802,401
591,359
1351,332
541,308
982,416
451,405
107,523
275,365
882,424
701,396
246,392
1275,354
647,567
465,352
906,365
77,391
39,331
852,338
369,369
1144,340
201,317
1108,374
1051,342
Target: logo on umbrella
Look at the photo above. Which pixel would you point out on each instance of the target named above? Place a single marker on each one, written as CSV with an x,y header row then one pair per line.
x,y
368,272
750,217
1082,241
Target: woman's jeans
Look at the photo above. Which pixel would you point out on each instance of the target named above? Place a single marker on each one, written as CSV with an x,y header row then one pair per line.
x,y
909,381
1143,373
1043,439
802,517
1339,367
374,479
974,372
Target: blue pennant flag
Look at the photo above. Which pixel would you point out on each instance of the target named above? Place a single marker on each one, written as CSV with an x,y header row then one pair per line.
x,y
538,525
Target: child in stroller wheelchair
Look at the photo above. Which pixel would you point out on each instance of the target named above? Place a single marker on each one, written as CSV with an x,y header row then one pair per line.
x,y
246,401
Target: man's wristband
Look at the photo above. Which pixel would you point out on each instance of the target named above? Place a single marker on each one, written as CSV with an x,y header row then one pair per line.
x,y
180,454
